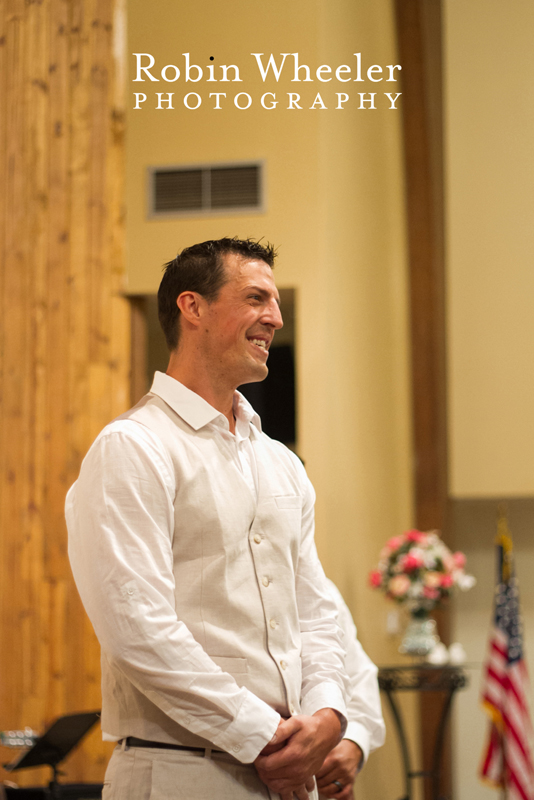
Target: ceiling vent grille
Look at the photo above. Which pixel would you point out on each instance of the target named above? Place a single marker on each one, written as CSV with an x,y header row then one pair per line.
x,y
211,189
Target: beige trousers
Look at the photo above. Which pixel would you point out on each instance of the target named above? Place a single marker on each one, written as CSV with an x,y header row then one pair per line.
x,y
140,773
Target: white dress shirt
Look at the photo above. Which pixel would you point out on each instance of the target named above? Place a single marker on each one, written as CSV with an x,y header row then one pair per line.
x,y
193,553
364,711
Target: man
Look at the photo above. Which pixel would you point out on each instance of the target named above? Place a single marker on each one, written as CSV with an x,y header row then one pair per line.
x,y
191,542
365,730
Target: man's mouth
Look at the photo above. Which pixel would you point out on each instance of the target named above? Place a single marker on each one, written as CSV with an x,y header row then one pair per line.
x,y
259,342
262,343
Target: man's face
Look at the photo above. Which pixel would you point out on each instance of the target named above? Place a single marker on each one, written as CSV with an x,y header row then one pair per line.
x,y
239,325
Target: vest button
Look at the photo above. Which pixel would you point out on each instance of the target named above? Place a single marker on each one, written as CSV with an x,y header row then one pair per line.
x,y
283,664
257,538
265,580
272,623
292,708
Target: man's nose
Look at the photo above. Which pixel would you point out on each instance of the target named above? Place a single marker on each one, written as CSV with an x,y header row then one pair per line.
x,y
273,315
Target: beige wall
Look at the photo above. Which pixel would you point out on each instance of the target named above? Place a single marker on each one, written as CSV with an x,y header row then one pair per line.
x,y
335,209
490,253
490,244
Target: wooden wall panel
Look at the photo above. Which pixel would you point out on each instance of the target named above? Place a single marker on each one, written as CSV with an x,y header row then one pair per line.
x,y
64,341
419,31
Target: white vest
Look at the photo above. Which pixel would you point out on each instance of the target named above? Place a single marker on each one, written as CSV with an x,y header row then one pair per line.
x,y
225,555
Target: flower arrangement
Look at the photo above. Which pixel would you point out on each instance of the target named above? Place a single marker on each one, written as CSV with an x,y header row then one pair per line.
x,y
419,572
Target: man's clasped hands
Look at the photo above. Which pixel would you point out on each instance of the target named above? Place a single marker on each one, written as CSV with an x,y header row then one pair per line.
x,y
304,750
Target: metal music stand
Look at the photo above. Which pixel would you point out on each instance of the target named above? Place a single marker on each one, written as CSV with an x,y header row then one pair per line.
x,y
55,745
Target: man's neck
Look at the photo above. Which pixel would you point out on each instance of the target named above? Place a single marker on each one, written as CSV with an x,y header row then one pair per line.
x,y
202,383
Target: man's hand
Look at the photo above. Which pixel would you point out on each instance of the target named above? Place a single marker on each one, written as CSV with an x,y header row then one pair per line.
x,y
341,764
288,764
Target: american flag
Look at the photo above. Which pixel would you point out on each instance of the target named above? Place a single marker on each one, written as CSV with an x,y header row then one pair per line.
x,y
507,760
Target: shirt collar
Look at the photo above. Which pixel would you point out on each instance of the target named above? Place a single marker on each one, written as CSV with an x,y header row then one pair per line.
x,y
244,411
192,408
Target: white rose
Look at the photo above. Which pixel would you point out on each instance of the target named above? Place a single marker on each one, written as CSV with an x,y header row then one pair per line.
x,y
463,581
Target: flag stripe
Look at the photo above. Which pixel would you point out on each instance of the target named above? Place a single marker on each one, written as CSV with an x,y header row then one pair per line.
x,y
518,786
507,760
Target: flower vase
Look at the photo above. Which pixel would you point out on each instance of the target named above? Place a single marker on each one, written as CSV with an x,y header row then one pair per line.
x,y
420,636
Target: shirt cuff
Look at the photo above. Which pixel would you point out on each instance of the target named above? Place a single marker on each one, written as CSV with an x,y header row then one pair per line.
x,y
326,695
358,734
242,739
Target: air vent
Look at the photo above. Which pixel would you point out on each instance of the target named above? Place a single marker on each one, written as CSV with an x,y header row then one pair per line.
x,y
180,190
212,189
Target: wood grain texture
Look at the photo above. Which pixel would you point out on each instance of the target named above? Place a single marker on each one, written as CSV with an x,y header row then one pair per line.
x,y
419,32
419,29
64,342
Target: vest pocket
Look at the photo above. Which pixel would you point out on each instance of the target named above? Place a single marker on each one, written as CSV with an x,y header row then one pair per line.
x,y
234,666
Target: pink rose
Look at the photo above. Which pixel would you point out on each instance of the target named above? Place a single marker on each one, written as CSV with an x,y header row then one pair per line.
x,y
411,561
399,585
459,559
431,594
447,581
395,542
375,578
415,536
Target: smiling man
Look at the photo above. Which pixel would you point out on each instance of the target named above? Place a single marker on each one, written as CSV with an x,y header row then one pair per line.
x,y
191,542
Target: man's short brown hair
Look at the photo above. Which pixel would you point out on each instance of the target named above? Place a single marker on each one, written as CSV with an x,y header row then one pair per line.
x,y
200,269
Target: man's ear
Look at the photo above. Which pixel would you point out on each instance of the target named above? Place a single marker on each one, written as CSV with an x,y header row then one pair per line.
x,y
190,305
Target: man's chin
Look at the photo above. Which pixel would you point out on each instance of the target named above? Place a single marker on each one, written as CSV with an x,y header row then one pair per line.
x,y
256,376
